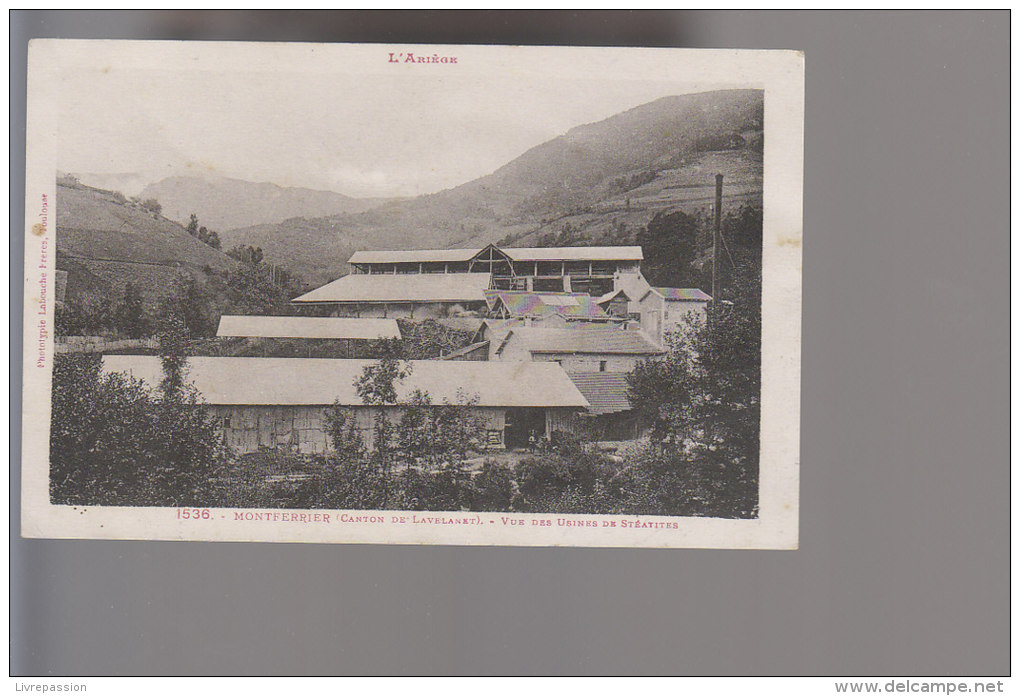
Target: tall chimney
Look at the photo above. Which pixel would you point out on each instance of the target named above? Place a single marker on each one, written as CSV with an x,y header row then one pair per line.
x,y
715,237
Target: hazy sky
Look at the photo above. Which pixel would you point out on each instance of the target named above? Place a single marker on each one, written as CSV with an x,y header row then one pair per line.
x,y
393,136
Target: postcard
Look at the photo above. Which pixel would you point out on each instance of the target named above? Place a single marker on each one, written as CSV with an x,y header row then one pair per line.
x,y
412,294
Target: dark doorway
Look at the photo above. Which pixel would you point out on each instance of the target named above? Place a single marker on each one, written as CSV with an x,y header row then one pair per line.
x,y
520,424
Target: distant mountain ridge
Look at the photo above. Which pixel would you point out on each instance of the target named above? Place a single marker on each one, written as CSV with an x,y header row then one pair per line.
x,y
597,183
222,203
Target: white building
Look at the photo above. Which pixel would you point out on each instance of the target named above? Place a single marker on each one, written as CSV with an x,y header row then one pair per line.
x,y
658,310
580,349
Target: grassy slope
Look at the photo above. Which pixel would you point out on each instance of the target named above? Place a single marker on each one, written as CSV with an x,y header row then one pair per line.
x,y
104,244
222,203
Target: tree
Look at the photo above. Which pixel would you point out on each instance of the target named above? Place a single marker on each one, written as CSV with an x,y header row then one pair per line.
x,y
152,205
344,436
246,254
196,303
669,244
130,314
376,386
662,390
101,434
251,291
117,441
173,347
702,400
84,316
426,340
193,225
744,228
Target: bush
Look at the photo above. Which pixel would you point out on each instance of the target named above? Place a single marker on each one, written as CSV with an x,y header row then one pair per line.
x,y
573,480
83,317
421,489
116,441
492,489
348,484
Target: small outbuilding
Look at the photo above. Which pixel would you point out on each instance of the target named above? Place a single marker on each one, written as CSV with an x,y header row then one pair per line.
x,y
610,414
658,310
577,349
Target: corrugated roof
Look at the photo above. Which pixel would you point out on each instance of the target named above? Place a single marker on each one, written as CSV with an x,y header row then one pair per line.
x,y
599,340
425,287
606,392
521,303
321,381
689,294
306,327
413,256
581,253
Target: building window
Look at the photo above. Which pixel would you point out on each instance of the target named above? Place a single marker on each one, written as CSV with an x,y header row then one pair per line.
x,y
602,365
226,422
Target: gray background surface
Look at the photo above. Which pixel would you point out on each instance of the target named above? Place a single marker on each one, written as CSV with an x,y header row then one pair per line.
x,y
904,559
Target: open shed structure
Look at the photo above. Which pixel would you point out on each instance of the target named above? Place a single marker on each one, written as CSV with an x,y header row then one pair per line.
x,y
282,402
550,269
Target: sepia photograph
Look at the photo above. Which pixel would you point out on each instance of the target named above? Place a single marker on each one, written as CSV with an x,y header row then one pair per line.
x,y
412,294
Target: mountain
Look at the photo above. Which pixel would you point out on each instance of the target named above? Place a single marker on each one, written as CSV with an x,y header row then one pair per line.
x,y
105,241
221,202
597,183
128,183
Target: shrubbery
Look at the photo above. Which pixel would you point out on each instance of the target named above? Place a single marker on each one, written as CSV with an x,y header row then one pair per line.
x,y
118,441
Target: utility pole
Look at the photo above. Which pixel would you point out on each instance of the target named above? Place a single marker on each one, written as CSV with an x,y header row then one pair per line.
x,y
715,238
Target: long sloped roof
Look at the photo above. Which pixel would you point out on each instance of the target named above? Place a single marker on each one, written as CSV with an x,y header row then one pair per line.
x,y
601,340
688,294
323,381
579,253
606,392
306,327
520,303
424,287
413,256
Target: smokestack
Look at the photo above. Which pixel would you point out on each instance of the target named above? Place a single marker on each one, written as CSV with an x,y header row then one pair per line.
x,y
715,237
